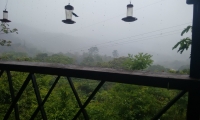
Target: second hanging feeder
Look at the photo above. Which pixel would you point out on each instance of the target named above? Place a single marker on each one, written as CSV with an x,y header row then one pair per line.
x,y
69,12
129,17
5,17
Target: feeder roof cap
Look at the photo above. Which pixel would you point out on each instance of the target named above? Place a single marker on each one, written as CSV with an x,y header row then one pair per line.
x,y
129,19
5,11
130,5
5,20
69,7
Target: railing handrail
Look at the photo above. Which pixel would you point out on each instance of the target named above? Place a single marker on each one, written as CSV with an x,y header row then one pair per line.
x,y
162,80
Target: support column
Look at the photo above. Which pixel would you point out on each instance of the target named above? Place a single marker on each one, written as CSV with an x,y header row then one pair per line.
x,y
193,109
195,47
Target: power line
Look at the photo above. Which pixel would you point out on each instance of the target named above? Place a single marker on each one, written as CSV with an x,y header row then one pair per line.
x,y
160,34
133,36
141,34
150,4
145,39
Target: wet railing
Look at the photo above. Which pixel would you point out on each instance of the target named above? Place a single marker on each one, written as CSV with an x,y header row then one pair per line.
x,y
161,80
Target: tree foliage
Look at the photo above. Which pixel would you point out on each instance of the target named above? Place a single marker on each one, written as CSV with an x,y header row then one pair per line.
x,y
157,68
139,61
186,30
184,43
115,53
118,63
93,50
6,30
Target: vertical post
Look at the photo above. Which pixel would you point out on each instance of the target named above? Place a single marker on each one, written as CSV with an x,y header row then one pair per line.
x,y
195,47
193,109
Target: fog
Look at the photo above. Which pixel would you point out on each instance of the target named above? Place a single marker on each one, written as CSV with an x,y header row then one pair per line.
x,y
99,24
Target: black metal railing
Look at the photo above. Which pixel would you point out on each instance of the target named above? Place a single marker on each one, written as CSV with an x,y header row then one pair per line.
x,y
161,80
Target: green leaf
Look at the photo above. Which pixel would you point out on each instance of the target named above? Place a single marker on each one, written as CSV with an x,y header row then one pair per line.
x,y
183,44
186,30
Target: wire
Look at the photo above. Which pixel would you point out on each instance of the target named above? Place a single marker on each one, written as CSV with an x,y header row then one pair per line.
x,y
134,35
149,36
139,40
6,5
150,4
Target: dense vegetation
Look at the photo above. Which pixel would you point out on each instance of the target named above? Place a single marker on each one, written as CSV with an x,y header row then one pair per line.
x,y
113,102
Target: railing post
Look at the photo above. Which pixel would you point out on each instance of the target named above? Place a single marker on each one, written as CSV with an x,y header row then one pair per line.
x,y
195,47
193,110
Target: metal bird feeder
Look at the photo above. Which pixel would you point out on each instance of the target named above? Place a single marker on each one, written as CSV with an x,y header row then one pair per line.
x,y
69,12
5,17
129,17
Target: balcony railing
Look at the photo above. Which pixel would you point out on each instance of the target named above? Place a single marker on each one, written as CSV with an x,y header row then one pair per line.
x,y
161,80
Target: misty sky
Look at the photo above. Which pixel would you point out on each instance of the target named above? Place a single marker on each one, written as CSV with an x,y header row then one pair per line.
x,y
157,29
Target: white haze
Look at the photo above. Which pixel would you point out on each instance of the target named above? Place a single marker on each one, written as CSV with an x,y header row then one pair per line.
x,y
39,24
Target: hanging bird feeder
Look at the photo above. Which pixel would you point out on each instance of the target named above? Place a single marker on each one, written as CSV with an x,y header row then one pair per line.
x,y
129,17
5,17
69,12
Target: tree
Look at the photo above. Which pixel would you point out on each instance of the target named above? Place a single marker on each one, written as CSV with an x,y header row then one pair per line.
x,y
6,30
55,58
41,56
93,50
115,53
118,63
184,43
19,56
139,61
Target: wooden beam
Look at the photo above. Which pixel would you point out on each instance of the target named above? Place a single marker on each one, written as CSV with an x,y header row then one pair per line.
x,y
162,80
